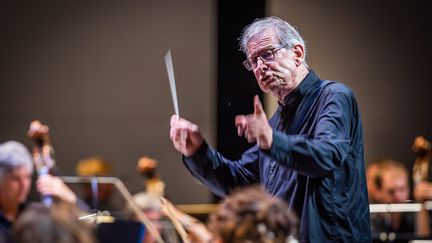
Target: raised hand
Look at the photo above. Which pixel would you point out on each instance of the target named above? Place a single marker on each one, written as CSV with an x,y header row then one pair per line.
x,y
254,127
186,137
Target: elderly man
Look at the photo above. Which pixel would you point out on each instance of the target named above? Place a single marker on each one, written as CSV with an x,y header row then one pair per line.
x,y
16,167
310,152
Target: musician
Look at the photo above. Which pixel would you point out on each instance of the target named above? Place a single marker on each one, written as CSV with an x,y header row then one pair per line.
x,y
310,153
16,168
391,181
56,224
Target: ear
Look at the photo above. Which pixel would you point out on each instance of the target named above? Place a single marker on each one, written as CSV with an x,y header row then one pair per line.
x,y
299,54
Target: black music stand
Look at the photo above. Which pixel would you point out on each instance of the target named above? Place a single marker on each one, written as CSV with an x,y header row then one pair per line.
x,y
120,231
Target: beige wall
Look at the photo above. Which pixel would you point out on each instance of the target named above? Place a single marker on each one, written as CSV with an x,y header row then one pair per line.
x,y
95,73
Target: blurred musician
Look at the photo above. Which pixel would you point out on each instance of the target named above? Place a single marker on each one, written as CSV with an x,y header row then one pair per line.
x,y
392,185
16,168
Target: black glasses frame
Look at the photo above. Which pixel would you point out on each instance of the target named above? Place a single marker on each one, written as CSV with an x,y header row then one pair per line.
x,y
265,56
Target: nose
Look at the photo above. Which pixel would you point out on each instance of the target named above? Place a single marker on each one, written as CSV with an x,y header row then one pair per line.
x,y
261,64
24,182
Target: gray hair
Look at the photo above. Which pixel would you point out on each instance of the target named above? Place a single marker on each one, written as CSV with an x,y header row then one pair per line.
x,y
285,33
13,155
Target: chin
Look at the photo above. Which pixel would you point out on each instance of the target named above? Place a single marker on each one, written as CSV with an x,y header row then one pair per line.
x,y
264,89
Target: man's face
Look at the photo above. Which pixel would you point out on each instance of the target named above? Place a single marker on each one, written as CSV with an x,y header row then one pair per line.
x,y
395,187
277,76
15,186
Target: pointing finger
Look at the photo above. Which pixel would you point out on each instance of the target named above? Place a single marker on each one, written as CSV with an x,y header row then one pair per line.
x,y
258,109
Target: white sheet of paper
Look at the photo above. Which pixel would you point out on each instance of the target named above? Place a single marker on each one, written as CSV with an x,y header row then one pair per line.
x,y
170,70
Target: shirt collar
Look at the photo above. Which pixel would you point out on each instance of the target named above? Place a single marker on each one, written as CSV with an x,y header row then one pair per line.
x,y
308,84
5,222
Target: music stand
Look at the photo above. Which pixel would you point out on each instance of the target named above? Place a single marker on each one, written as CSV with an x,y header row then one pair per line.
x,y
388,236
118,184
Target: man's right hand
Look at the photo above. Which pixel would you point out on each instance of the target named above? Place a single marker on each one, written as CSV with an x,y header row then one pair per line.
x,y
186,137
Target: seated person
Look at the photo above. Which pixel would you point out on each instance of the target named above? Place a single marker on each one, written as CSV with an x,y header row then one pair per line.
x,y
57,224
392,185
16,168
252,215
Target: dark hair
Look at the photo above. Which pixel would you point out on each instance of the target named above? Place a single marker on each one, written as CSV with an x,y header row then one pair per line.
x,y
57,224
252,215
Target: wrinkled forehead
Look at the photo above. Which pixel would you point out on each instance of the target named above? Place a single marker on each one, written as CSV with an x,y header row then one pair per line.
x,y
261,41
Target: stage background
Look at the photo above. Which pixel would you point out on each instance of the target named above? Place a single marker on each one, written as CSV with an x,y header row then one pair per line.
x,y
95,73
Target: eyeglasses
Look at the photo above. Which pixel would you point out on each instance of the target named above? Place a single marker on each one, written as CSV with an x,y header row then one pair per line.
x,y
265,56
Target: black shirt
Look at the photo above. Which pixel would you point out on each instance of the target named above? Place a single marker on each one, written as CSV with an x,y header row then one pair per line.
x,y
316,163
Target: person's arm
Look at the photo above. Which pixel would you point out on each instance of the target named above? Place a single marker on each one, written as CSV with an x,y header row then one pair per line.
x,y
221,175
54,186
209,166
324,151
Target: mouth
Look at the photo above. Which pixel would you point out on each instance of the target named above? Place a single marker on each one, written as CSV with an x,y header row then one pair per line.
x,y
267,80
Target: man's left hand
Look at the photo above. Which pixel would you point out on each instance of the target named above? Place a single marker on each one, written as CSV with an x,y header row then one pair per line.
x,y
254,127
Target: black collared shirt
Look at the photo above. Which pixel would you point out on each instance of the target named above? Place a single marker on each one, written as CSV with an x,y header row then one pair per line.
x,y
316,163
6,225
